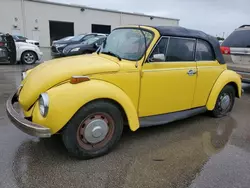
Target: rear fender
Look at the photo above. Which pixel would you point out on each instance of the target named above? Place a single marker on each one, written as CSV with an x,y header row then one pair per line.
x,y
65,100
227,77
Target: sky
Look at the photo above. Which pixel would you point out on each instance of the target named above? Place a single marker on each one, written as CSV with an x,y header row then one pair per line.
x,y
214,17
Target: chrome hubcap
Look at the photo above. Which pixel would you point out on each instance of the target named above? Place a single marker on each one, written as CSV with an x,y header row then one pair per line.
x,y
29,58
225,102
96,131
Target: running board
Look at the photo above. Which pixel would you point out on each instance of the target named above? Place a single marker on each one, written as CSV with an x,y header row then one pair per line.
x,y
170,117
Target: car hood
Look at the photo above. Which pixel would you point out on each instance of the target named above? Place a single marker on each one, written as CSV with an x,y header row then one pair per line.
x,y
66,42
25,44
33,41
81,46
51,73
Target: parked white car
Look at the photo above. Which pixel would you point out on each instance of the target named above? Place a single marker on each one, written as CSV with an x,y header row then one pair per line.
x,y
28,53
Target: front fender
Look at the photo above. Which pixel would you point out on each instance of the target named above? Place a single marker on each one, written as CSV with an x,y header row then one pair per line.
x,y
22,49
66,99
227,77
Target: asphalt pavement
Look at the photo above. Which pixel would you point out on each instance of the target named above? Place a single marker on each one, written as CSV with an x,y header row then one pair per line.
x,y
199,152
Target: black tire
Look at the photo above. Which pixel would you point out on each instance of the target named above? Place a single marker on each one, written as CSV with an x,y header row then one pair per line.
x,y
28,57
219,111
73,137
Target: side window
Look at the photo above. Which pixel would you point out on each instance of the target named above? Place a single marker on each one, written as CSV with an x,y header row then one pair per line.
x,y
159,53
180,49
88,37
204,52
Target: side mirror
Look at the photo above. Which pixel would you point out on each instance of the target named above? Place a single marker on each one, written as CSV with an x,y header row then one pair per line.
x,y
158,57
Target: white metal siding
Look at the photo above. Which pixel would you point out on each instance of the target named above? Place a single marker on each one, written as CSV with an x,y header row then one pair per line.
x,y
9,10
43,12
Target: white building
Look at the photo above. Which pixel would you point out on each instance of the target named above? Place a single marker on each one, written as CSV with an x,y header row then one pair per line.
x,y
45,21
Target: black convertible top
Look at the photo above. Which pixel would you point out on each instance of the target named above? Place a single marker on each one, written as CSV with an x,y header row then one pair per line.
x,y
189,33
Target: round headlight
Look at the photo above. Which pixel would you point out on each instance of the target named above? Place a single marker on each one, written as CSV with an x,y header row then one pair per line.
x,y
44,104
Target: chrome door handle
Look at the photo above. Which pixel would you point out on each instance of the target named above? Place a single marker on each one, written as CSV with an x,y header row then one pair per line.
x,y
191,72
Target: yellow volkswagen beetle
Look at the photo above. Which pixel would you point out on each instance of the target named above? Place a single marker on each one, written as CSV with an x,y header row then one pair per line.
x,y
140,76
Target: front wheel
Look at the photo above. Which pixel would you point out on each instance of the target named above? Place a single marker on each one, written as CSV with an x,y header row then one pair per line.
x,y
28,58
225,102
94,130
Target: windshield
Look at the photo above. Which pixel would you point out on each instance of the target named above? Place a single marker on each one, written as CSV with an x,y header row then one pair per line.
x,y
77,38
127,43
21,38
91,40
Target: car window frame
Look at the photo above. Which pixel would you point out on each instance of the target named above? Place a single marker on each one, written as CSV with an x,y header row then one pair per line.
x,y
169,37
211,49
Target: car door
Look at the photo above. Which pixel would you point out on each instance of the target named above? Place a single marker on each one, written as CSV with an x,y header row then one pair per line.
x,y
168,78
3,50
208,71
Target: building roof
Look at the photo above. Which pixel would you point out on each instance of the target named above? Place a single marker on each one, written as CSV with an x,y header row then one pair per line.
x,y
99,9
190,33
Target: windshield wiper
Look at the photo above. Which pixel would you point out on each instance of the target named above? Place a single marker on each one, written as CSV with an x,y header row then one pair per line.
x,y
112,54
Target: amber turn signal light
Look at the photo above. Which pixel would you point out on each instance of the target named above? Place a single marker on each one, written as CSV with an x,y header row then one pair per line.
x,y
79,79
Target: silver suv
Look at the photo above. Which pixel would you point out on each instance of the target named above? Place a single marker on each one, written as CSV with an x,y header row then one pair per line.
x,y
236,52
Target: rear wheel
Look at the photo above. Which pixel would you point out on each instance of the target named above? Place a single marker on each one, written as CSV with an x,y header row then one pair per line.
x,y
94,130
225,102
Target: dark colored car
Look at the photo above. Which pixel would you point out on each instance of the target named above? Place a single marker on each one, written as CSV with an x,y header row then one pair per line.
x,y
86,47
58,46
7,49
63,39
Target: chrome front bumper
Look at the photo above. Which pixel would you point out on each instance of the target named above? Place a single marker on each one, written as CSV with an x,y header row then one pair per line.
x,y
22,123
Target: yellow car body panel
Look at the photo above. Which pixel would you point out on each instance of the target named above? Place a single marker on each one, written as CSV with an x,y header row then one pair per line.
x,y
163,86
227,77
49,74
29,112
64,104
207,74
128,82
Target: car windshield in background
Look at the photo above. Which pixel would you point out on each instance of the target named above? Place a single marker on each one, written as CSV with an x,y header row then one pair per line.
x,y
91,40
127,43
239,38
77,38
21,38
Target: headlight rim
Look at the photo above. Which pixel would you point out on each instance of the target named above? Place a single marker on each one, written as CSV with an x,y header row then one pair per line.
x,y
45,98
